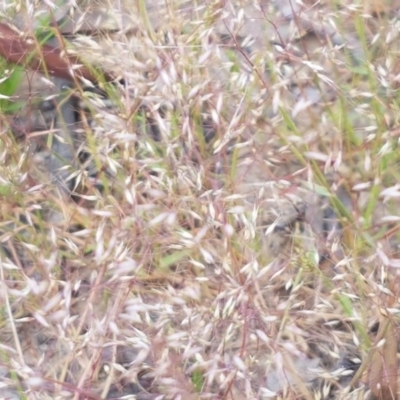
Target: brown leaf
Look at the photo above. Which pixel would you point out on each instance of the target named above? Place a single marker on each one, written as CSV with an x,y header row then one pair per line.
x,y
19,50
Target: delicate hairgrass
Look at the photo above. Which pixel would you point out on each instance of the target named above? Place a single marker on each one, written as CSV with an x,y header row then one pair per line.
x,y
166,262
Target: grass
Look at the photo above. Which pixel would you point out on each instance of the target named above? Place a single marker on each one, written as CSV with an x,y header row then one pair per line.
x,y
260,263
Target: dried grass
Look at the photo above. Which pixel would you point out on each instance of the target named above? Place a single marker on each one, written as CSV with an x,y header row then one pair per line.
x,y
258,263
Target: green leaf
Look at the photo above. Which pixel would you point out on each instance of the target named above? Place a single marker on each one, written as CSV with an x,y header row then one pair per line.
x,y
198,380
9,86
5,190
173,258
346,304
318,189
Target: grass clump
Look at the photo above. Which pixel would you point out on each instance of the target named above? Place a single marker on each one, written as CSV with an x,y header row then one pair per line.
x,y
232,232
